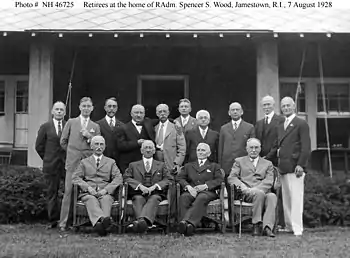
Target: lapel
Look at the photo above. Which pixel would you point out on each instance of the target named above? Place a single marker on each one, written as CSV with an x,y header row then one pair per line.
x,y
155,165
250,164
169,128
106,125
103,161
292,125
141,167
230,128
91,159
133,129
198,134
202,168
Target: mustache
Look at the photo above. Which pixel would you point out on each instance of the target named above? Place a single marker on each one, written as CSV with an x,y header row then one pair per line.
x,y
99,149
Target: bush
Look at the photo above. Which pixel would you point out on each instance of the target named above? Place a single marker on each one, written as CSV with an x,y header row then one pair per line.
x,y
22,196
326,200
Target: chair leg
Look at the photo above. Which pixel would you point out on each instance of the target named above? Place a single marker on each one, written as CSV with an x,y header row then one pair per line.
x,y
240,220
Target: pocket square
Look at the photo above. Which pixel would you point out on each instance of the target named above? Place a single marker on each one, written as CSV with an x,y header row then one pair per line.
x,y
208,170
92,130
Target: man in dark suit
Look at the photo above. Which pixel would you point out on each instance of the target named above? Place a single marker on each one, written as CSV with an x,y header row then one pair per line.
x,y
48,147
185,121
233,138
148,180
199,179
108,127
254,176
131,135
266,129
199,134
293,151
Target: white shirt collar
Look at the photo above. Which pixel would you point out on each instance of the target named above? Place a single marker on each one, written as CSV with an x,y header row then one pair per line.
x,y
270,115
55,123
82,119
254,161
132,121
203,130
290,118
108,119
200,160
97,157
165,123
184,120
238,122
150,160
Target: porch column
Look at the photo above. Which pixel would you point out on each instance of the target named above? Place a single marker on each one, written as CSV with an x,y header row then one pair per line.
x,y
267,75
40,94
311,111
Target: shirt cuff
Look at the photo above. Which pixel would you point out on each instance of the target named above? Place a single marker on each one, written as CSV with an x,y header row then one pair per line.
x,y
159,188
206,186
137,187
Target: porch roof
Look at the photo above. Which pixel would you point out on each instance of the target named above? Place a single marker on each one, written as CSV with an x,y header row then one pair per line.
x,y
181,20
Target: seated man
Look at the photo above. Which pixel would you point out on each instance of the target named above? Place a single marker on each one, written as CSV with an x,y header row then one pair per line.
x,y
199,179
98,176
148,180
253,175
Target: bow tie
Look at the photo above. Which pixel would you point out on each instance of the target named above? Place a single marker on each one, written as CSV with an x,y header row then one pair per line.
x,y
139,123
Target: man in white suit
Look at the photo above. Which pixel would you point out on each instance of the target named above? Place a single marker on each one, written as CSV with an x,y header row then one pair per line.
x,y
254,176
98,176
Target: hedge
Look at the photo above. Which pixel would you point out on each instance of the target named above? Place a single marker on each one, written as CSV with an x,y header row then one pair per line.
x,y
22,197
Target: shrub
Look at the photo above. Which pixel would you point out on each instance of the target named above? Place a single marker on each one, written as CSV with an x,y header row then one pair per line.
x,y
22,196
326,200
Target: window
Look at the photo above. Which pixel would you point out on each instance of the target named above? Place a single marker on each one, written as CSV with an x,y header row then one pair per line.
x,y
290,89
22,97
2,98
337,98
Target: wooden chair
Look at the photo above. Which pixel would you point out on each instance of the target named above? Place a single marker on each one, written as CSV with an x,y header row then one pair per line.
x,y
163,213
80,214
5,155
242,211
215,209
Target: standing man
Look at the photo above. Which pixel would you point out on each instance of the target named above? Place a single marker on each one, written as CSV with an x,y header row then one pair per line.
x,y
266,129
293,151
131,135
186,121
170,144
108,126
204,134
48,147
233,138
75,139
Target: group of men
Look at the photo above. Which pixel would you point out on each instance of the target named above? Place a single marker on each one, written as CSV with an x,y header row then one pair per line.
x,y
148,154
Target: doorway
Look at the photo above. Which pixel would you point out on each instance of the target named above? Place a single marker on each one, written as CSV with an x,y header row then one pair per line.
x,y
156,89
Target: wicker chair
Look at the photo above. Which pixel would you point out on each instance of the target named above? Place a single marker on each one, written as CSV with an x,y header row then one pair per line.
x,y
163,213
242,211
215,209
80,214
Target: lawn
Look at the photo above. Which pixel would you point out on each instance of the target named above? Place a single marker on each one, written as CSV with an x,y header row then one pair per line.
x,y
36,241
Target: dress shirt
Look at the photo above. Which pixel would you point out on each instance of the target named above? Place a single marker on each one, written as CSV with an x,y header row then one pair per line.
x,y
288,120
255,161
150,160
138,127
55,122
238,122
97,157
203,132
82,120
201,161
269,117
184,120
108,119
164,131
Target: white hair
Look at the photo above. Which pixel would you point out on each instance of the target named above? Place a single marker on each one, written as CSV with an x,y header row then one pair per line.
x,y
205,112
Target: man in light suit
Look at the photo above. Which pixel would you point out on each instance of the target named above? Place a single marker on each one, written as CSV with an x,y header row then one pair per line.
x,y
98,176
148,180
233,138
131,135
75,139
108,126
199,179
202,133
254,176
266,129
293,151
185,121
170,143
48,147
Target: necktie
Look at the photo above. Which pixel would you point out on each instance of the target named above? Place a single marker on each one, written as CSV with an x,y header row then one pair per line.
x,y
235,126
252,160
97,162
111,124
184,122
266,120
59,128
160,135
84,123
285,124
203,133
148,166
201,163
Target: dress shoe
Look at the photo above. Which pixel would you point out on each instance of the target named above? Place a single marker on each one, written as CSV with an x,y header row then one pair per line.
x,y
106,222
52,225
190,230
182,227
268,232
142,226
62,229
99,228
135,226
257,229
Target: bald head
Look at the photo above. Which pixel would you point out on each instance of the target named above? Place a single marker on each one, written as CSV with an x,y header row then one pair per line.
x,y
268,104
287,106
235,111
137,113
58,110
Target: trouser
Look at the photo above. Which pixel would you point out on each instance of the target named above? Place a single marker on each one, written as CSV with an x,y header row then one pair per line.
x,y
98,207
53,185
264,207
146,206
193,209
293,201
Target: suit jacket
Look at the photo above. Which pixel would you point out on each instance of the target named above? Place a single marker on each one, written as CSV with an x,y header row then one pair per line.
x,y
135,173
244,173
174,146
267,134
232,144
106,176
127,137
48,147
192,174
109,134
191,123
77,146
294,145
194,137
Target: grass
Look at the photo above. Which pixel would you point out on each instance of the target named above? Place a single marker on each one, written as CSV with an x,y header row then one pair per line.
x,y
36,241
